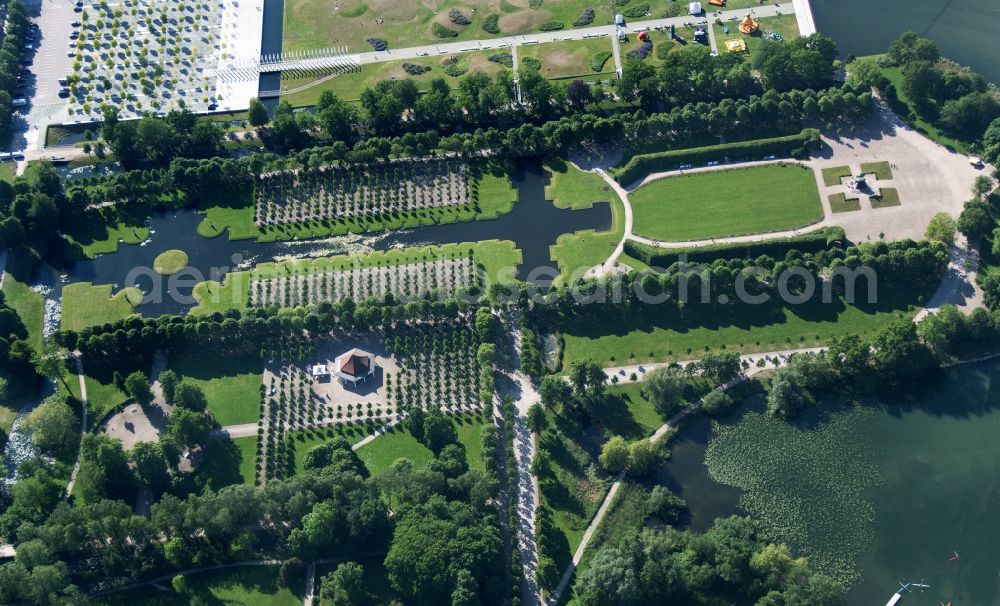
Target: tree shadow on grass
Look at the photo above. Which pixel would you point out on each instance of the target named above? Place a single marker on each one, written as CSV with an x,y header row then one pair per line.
x,y
219,467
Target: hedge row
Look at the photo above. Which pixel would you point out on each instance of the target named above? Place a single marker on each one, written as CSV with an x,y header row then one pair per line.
x,y
645,164
777,248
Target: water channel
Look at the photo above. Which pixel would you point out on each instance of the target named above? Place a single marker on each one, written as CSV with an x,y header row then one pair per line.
x,y
900,488
533,225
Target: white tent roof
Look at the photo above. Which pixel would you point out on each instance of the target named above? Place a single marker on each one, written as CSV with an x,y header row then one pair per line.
x,y
695,8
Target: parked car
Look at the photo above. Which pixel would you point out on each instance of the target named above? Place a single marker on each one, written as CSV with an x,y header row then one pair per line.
x,y
64,92
19,102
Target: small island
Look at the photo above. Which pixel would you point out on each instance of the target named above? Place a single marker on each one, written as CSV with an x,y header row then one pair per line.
x,y
170,262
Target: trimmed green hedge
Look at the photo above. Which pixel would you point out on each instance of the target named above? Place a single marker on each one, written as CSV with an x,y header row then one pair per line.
x,y
598,59
646,164
776,248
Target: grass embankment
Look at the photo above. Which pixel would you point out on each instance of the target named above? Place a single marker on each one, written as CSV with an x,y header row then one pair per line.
x,y
309,24
567,59
494,256
572,188
28,305
751,329
92,235
231,384
242,586
727,203
495,196
349,86
84,304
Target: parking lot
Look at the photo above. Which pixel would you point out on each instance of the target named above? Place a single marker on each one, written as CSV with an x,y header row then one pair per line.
x,y
48,64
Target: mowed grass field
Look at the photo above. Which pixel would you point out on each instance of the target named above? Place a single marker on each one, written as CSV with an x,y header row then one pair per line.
x,y
231,384
349,86
84,304
752,329
727,203
311,24
567,59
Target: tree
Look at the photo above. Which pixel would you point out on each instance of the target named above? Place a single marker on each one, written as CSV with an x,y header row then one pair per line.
x,y
151,466
168,380
104,471
337,117
188,428
982,186
723,366
137,386
667,506
52,364
716,404
415,418
610,580
642,458
921,82
466,590
942,228
910,47
439,431
970,115
587,378
345,586
899,354
536,419
54,428
257,113
976,219
336,452
614,455
579,95
190,396
555,392
664,387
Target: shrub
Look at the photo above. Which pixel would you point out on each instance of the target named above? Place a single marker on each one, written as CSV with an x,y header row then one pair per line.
x,y
776,248
639,10
598,59
531,63
455,69
673,10
535,4
586,18
664,48
442,32
492,24
642,52
378,44
551,25
644,164
415,70
457,17
503,59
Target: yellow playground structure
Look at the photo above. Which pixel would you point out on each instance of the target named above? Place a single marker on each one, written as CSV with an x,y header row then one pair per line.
x,y
736,45
748,25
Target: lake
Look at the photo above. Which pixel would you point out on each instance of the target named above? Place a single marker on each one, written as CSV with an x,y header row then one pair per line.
x,y
877,495
965,30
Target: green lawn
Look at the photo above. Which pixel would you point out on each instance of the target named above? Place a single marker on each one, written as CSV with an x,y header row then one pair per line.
x,y
92,235
882,170
101,397
311,24
350,85
640,409
28,305
231,383
567,59
572,188
495,196
840,204
494,256
8,171
248,458
752,329
890,197
242,586
727,203
832,176
786,25
84,304
383,451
